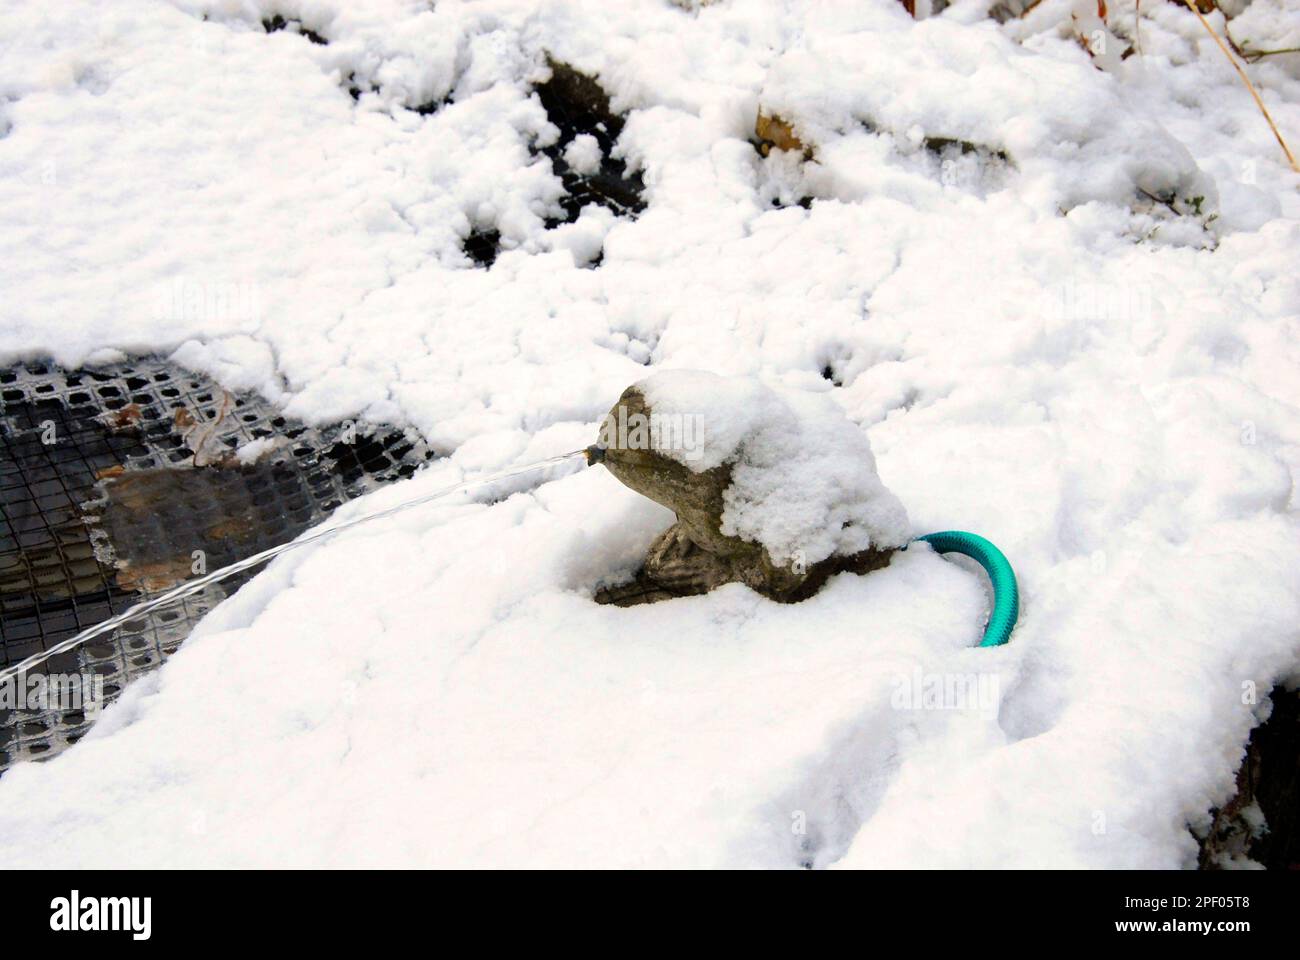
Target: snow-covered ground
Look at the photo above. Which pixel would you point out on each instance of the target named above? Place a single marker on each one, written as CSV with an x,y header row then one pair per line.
x,y
1080,337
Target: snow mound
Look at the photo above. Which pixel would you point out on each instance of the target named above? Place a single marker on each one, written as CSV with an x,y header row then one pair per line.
x,y
803,479
1074,138
441,690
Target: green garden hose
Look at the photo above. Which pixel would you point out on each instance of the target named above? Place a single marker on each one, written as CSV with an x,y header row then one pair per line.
x,y
1006,595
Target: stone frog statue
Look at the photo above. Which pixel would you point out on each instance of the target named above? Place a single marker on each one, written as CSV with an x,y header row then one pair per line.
x,y
775,489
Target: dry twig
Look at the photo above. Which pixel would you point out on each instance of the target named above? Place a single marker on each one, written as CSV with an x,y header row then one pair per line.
x,y
1191,5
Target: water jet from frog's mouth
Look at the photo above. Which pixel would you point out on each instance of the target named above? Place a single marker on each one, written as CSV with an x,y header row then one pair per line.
x,y
256,559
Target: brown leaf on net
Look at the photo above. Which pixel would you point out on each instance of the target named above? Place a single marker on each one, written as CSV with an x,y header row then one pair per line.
x,y
153,577
127,418
201,437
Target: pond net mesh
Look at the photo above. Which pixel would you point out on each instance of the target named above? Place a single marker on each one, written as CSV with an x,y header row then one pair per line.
x,y
119,482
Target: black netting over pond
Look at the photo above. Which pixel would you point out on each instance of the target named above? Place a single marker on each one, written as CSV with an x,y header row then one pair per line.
x,y
119,483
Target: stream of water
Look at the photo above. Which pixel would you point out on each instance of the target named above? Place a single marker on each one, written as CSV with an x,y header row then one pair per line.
x,y
328,530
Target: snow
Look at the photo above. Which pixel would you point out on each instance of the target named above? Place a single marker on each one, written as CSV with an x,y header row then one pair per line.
x,y
803,478
1059,301
1264,27
255,450
583,154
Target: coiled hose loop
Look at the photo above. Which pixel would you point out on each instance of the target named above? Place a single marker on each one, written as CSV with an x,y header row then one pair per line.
x,y
1006,594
